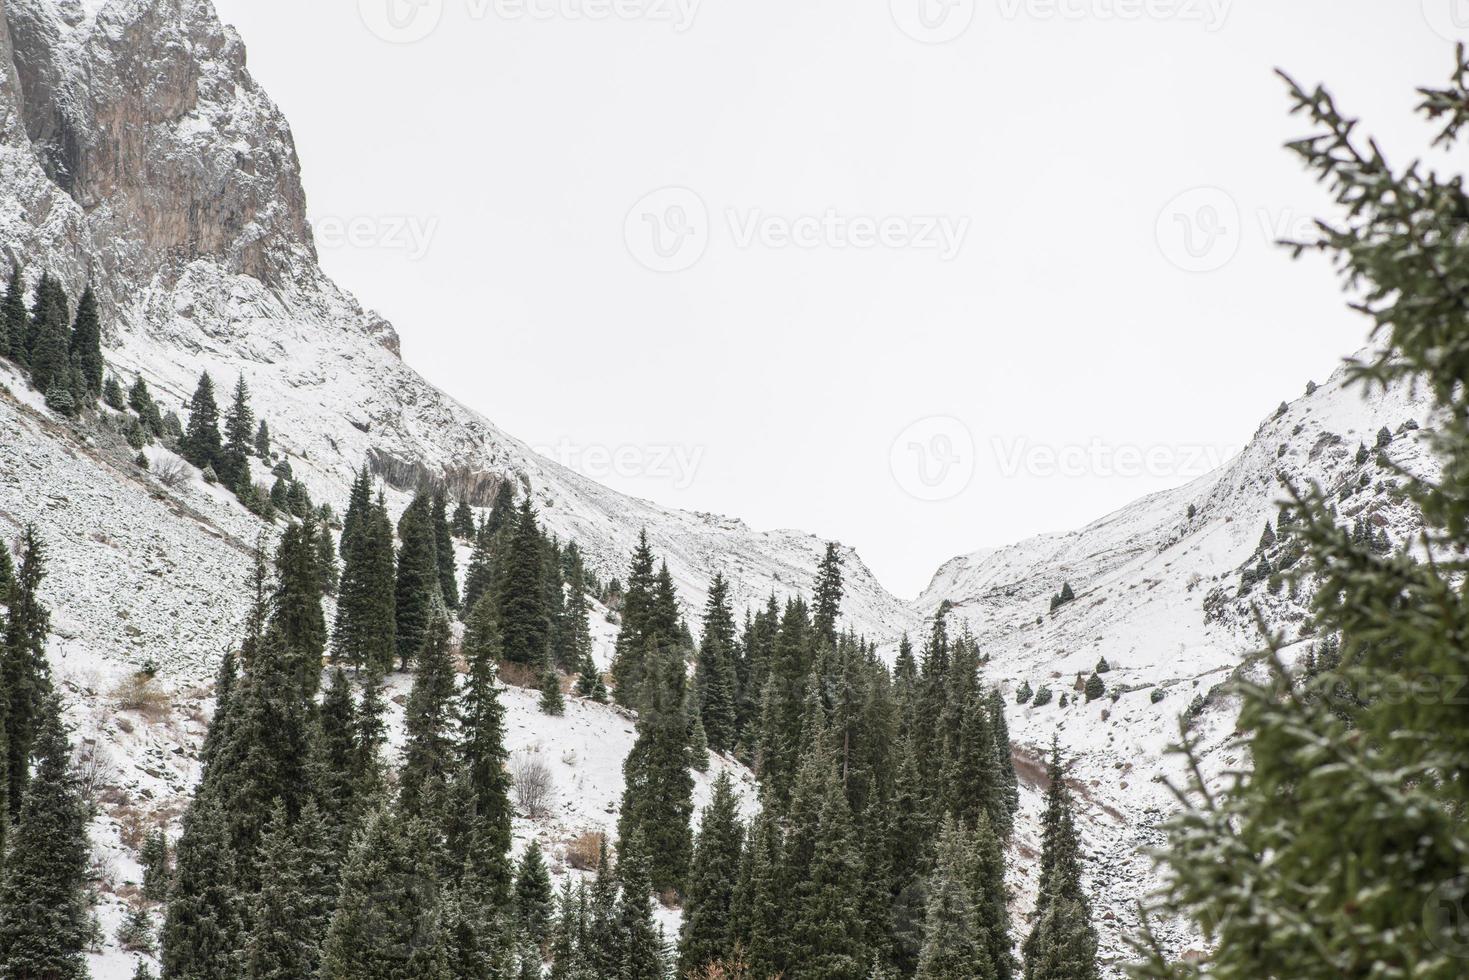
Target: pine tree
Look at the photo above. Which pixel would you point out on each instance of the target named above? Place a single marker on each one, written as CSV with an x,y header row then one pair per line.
x,y
334,761
157,867
714,671
707,933
140,400
43,905
444,550
826,600
135,933
1358,803
261,442
201,443
759,915
953,948
389,919
533,898
364,633
462,523
233,465
49,338
1062,945
479,577
429,756
417,585
642,949
86,345
13,319
202,927
633,634
825,872
552,701
657,800
482,766
24,670
1095,688
288,917
296,613
520,594
604,945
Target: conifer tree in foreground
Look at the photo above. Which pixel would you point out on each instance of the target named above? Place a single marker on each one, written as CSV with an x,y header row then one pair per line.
x,y
1359,804
657,801
239,422
416,589
364,633
520,593
953,948
429,756
533,896
642,950
707,934
43,904
483,769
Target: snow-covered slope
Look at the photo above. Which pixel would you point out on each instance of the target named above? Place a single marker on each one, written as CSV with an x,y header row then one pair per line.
x,y
137,152
1158,595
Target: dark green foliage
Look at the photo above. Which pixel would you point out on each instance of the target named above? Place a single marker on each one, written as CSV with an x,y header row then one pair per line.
x,y
954,947
203,923
1024,693
296,613
365,631
633,634
707,934
24,670
60,400
552,701
86,346
389,919
521,595
657,801
715,675
482,766
1062,944
157,866
335,760
201,443
140,400
289,915
1359,801
233,463
49,338
827,931
261,442
479,577
135,933
444,549
533,895
1095,688
417,585
1063,597
826,599
462,523
13,326
429,756
642,948
43,904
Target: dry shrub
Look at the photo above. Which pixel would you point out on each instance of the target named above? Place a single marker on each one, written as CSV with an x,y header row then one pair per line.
x,y
520,675
533,785
584,850
139,693
95,771
133,825
171,472
733,968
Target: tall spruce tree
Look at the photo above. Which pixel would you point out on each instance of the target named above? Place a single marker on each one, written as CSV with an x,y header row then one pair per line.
x,y
1340,851
444,549
13,318
365,630
417,588
482,760
201,443
521,595
657,799
203,926
533,898
953,947
49,337
43,902
86,346
826,600
290,914
707,934
642,949
633,634
24,670
1062,945
233,466
715,670
479,577
429,756
296,611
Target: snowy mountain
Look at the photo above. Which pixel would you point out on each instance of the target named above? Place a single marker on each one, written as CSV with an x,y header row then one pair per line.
x,y
137,153
1159,596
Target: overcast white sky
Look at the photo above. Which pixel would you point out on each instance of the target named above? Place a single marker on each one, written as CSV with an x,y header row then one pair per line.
x,y
878,251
